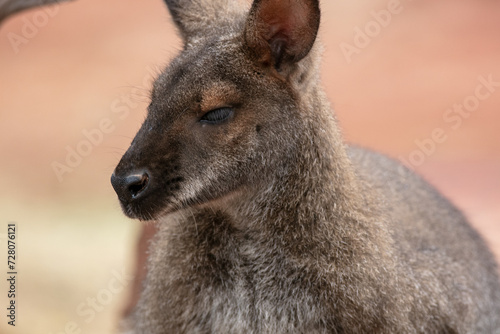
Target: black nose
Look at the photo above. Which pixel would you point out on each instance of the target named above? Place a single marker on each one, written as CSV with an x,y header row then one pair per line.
x,y
130,187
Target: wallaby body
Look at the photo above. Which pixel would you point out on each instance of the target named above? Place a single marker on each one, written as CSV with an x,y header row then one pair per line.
x,y
269,223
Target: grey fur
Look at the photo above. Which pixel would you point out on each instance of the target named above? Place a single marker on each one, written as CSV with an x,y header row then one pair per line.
x,y
269,223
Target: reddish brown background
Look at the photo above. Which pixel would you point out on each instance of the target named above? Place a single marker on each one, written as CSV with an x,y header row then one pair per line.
x,y
87,57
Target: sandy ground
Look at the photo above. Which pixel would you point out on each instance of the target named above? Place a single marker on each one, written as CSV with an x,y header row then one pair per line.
x,y
84,69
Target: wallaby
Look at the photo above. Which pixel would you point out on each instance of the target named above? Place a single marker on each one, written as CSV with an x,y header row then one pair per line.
x,y
269,222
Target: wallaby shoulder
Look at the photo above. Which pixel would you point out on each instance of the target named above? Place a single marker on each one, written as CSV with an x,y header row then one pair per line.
x,y
433,241
407,195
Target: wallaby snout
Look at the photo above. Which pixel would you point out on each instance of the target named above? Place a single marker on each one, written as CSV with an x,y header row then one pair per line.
x,y
132,186
147,181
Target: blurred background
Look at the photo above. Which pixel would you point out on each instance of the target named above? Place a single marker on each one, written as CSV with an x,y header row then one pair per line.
x,y
418,80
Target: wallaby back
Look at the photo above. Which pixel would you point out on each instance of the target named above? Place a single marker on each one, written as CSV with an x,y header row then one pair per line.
x,y
269,223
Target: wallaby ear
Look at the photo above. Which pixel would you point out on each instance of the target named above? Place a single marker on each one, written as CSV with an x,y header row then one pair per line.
x,y
196,18
282,31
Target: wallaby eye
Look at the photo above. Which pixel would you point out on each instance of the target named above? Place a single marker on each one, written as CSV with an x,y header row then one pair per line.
x,y
217,116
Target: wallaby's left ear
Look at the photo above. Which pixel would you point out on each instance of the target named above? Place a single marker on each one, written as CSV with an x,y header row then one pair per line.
x,y
282,31
196,18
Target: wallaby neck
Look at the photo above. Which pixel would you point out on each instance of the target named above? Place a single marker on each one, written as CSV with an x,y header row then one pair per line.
x,y
315,186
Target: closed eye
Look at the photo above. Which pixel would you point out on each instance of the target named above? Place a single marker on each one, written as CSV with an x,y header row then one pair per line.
x,y
217,116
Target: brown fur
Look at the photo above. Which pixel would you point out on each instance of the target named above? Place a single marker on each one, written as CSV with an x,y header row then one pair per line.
x,y
269,223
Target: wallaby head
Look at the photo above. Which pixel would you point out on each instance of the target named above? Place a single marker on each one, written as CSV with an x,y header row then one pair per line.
x,y
227,110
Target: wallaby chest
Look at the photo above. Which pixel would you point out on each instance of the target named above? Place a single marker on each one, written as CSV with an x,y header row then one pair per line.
x,y
222,280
